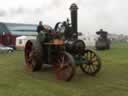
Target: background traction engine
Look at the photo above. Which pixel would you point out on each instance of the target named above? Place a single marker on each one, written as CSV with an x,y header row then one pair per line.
x,y
103,41
62,50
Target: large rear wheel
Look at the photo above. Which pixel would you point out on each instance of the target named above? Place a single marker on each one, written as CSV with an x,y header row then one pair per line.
x,y
33,55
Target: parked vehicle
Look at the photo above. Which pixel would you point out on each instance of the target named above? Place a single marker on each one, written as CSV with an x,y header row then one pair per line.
x,y
5,49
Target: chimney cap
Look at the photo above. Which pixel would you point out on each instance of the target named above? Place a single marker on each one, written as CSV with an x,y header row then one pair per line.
x,y
73,7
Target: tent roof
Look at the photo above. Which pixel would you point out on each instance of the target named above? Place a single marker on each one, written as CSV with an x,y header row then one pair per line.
x,y
26,37
21,37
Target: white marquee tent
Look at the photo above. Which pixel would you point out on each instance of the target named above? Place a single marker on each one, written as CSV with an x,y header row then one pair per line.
x,y
89,39
21,40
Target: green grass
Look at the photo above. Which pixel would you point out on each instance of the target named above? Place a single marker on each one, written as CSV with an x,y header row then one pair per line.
x,y
112,80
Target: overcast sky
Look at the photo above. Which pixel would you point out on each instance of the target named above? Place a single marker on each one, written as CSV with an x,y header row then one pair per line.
x,y
110,15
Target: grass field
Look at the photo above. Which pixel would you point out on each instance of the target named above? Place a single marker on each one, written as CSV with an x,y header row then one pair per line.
x,y
112,80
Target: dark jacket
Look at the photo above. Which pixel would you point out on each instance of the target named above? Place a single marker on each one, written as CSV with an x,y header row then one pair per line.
x,y
40,28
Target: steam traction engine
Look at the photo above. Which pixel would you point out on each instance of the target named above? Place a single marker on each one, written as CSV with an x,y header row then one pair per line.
x,y
61,49
103,41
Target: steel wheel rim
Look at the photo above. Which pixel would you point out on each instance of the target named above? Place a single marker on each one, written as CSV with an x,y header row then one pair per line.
x,y
28,55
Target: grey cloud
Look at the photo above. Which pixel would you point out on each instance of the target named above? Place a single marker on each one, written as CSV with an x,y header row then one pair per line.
x,y
57,3
16,11
22,10
3,13
38,10
93,14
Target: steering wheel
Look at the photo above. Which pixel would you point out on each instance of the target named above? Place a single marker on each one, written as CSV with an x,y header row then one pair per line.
x,y
60,27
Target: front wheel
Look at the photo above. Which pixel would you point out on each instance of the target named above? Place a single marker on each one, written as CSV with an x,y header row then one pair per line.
x,y
10,51
64,66
93,62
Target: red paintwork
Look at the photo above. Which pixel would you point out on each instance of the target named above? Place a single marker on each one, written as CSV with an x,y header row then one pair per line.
x,y
8,39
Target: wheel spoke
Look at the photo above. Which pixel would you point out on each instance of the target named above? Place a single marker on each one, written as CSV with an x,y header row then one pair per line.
x,y
62,62
86,56
93,56
95,63
62,58
89,55
93,69
89,69
95,66
93,60
85,66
